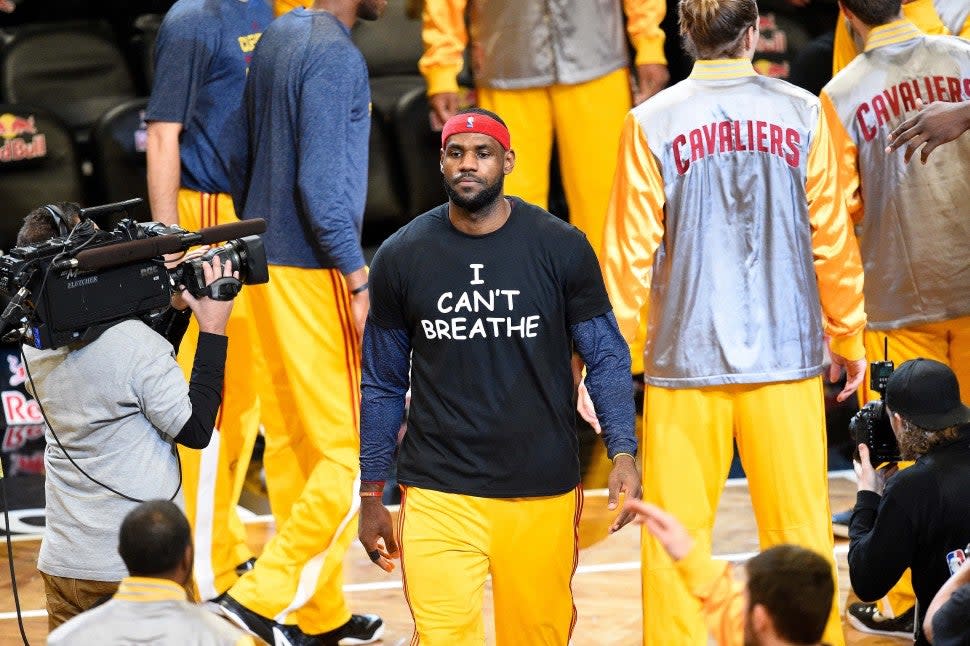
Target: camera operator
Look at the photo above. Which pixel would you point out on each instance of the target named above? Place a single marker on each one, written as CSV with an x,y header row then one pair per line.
x,y
115,407
920,516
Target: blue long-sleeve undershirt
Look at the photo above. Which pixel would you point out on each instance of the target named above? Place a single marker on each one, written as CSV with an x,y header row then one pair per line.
x,y
384,384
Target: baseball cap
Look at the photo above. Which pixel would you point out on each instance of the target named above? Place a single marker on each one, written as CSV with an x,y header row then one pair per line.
x,y
927,393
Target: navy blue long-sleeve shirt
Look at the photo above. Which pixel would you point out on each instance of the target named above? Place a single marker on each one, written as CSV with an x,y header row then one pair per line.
x,y
384,384
201,55
303,165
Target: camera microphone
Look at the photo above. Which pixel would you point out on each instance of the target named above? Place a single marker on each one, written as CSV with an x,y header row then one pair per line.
x,y
125,252
145,248
223,232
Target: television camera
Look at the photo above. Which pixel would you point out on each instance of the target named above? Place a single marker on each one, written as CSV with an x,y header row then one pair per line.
x,y
73,287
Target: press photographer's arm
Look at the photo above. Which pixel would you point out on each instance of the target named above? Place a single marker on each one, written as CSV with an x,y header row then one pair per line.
x,y
205,386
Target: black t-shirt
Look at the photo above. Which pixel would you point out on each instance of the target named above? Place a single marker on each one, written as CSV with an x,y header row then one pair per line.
x,y
488,318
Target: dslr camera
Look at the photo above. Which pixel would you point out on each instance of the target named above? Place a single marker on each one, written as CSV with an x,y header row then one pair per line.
x,y
870,426
73,287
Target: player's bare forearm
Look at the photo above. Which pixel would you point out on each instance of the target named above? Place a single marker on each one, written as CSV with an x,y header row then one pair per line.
x,y
164,170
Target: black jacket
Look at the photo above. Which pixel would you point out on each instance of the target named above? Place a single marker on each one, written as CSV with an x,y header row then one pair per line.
x,y
923,514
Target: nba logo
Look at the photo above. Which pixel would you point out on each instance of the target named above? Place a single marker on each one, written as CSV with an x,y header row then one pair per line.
x,y
954,560
470,122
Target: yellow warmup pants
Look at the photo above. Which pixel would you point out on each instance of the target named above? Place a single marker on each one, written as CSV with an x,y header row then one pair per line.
x,y
687,452
311,395
212,478
450,543
283,6
947,342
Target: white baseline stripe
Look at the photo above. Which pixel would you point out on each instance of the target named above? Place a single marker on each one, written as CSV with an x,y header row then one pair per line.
x,y
351,588
27,614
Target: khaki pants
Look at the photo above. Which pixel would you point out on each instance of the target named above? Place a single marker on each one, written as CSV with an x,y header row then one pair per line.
x,y
69,597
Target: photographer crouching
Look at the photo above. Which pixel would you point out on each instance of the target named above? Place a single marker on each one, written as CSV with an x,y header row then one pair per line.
x,y
115,405
918,519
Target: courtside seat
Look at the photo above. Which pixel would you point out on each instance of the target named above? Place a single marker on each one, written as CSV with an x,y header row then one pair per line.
x,y
391,46
74,70
420,152
38,165
385,211
118,145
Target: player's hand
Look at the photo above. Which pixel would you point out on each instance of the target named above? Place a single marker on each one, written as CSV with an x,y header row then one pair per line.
x,y
212,315
586,409
651,78
664,526
443,107
870,478
855,372
376,533
935,124
624,478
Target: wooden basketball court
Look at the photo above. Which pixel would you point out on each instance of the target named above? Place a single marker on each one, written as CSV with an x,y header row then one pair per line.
x,y
606,585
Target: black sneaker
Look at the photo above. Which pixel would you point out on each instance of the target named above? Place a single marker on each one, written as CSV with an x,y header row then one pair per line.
x,y
840,523
359,629
866,618
246,619
245,566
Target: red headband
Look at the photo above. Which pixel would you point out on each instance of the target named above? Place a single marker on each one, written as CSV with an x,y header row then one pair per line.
x,y
475,122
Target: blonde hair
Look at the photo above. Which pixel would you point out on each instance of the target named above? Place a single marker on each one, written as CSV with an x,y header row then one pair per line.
x,y
716,28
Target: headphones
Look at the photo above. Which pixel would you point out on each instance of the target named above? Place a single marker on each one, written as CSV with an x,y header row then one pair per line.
x,y
83,226
59,219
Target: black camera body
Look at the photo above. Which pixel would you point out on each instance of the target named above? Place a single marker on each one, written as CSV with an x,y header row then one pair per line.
x,y
870,426
246,255
72,288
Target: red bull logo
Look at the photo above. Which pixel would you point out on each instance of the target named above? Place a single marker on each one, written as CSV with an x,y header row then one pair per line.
x,y
16,437
27,464
18,372
18,410
774,70
14,146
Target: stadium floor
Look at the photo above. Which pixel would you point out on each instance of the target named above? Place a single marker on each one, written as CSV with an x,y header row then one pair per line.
x,y
606,586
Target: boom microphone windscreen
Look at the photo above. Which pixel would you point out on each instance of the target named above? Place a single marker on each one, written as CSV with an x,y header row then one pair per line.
x,y
125,252
223,232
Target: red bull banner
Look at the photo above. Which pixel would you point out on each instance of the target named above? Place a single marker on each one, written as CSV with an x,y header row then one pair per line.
x,y
21,446
19,139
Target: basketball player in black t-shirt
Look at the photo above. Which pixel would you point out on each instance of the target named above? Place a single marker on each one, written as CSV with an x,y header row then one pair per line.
x,y
488,297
